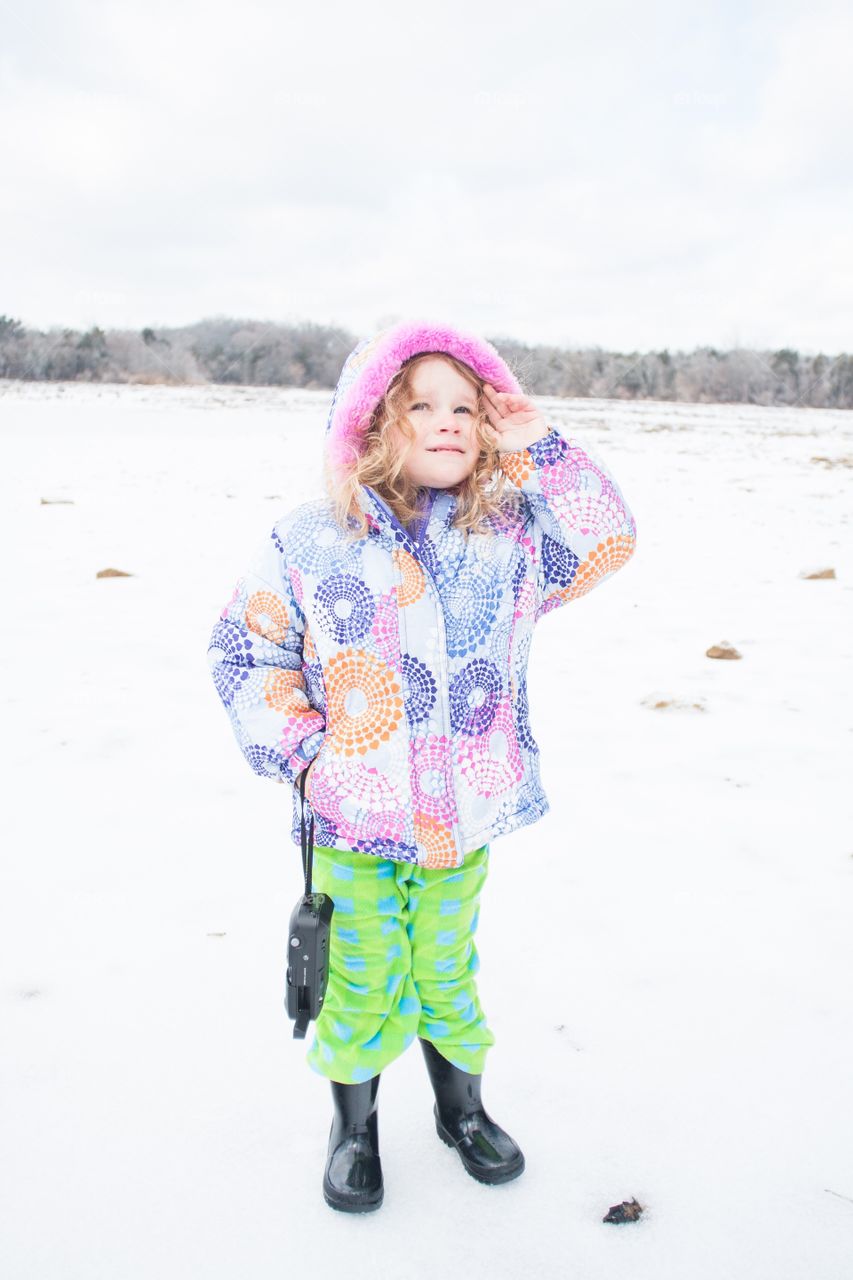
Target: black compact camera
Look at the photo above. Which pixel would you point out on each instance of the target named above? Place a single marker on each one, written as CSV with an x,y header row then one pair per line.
x,y
308,940
308,959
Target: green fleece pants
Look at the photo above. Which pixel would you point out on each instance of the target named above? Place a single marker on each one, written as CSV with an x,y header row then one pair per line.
x,y
402,962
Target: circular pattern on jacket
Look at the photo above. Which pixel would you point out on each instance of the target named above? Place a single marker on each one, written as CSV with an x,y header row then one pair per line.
x,y
316,543
559,564
525,605
500,642
430,558
521,649
267,616
474,695
264,760
324,831
412,585
235,685
570,475
309,649
471,604
284,693
491,763
436,840
230,643
519,573
345,607
430,767
577,487
605,558
296,584
230,658
361,802
364,701
522,713
397,850
386,628
419,688
248,691
314,685
550,448
449,556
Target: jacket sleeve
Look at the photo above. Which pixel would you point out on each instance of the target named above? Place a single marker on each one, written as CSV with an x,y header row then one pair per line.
x,y
256,654
579,529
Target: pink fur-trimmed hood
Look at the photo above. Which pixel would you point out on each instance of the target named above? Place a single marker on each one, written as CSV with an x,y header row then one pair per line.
x,y
371,365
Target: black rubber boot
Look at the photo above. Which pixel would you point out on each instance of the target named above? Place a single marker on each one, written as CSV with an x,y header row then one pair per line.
x,y
487,1152
352,1180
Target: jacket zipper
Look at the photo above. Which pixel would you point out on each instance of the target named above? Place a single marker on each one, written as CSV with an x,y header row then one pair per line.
x,y
445,695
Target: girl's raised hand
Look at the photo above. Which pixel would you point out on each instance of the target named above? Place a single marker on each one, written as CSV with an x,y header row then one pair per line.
x,y
514,419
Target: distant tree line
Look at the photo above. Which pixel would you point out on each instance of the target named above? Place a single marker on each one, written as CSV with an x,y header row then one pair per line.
x,y
253,353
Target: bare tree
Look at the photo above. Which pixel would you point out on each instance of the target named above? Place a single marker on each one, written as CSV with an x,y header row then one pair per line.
x,y
225,349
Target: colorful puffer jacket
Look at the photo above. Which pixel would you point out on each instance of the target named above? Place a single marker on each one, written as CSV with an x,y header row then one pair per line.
x,y
399,661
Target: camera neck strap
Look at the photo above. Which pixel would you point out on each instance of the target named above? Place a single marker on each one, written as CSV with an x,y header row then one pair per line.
x,y
307,836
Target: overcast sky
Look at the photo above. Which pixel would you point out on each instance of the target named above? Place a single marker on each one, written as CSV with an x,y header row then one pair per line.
x,y
634,176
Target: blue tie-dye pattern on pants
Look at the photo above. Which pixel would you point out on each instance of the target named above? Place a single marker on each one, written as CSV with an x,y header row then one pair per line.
x,y
407,931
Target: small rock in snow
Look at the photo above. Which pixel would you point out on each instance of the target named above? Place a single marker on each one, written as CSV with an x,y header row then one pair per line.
x,y
722,650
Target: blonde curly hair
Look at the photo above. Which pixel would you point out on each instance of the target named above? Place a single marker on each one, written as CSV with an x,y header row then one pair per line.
x,y
485,496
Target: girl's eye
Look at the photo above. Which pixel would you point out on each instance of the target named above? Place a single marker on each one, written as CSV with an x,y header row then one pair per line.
x,y
422,404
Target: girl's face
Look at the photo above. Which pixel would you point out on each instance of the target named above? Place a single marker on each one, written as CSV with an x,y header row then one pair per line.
x,y
442,410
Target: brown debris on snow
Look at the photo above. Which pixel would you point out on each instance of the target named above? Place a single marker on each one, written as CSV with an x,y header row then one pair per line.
x,y
627,1211
664,701
844,461
722,650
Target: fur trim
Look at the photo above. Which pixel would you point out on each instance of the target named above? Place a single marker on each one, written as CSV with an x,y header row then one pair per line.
x,y
372,364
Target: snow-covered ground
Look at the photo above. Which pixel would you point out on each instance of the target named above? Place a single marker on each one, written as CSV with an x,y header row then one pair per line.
x,y
666,956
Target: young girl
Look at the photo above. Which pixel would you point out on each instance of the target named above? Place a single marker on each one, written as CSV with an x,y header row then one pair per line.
x,y
378,643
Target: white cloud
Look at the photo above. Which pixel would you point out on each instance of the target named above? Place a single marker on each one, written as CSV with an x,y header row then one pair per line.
x,y
662,177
